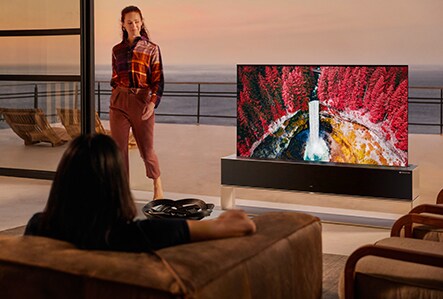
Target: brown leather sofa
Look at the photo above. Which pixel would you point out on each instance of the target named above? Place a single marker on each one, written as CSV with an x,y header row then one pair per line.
x,y
282,260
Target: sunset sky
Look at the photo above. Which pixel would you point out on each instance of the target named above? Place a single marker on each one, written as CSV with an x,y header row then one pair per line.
x,y
284,31
240,31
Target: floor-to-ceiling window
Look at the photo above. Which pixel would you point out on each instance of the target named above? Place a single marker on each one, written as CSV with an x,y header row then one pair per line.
x,y
39,83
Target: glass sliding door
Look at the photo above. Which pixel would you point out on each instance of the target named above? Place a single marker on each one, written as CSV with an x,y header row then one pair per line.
x,y
39,84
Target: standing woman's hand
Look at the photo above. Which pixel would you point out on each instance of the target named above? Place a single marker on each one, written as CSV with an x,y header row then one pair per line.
x,y
148,111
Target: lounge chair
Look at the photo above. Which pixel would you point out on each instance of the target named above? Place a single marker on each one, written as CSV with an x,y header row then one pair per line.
x,y
71,119
33,127
409,264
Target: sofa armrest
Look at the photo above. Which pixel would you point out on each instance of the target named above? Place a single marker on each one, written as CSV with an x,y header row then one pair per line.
x,y
283,259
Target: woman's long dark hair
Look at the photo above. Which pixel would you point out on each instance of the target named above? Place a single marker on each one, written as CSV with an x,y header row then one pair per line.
x,y
90,193
143,30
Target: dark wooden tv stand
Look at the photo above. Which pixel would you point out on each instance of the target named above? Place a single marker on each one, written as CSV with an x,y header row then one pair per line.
x,y
360,180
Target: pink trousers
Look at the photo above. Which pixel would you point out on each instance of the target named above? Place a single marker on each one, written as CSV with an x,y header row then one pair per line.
x,y
126,107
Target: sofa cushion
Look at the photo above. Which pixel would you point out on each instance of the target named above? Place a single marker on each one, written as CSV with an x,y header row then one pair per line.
x,y
428,233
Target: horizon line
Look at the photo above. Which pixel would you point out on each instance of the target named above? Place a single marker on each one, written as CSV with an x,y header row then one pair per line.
x,y
230,64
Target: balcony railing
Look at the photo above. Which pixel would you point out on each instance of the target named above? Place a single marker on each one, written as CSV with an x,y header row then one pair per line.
x,y
196,102
180,99
429,101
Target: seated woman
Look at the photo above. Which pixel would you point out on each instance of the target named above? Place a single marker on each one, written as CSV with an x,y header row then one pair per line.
x,y
90,205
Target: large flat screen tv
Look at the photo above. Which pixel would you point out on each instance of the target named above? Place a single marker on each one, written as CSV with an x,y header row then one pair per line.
x,y
355,114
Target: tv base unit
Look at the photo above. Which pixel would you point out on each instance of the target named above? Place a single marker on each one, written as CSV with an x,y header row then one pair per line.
x,y
358,180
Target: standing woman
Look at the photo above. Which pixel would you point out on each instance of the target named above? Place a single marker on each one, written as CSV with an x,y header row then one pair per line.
x,y
138,82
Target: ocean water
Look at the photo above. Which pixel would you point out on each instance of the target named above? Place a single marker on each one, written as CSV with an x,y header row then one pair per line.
x,y
419,75
216,100
185,73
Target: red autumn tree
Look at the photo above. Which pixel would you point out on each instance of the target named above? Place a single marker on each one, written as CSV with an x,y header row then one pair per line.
x,y
273,77
250,127
378,89
322,90
400,127
302,90
378,110
345,88
243,100
271,89
332,85
359,88
389,94
398,99
377,72
287,90
294,90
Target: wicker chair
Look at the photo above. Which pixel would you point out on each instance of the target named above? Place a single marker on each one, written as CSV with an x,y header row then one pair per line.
x,y
33,127
71,119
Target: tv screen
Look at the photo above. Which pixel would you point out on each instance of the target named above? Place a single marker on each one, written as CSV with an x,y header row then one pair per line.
x,y
354,114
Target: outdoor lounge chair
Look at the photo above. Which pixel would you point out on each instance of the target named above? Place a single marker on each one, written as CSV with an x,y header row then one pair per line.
x,y
33,127
71,119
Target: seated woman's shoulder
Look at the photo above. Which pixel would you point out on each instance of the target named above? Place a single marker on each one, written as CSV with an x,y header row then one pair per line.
x,y
32,228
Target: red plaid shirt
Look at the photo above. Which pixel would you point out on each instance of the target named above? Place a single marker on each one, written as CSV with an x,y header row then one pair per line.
x,y
139,66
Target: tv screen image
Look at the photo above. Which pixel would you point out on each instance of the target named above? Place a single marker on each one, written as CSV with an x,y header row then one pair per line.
x,y
354,114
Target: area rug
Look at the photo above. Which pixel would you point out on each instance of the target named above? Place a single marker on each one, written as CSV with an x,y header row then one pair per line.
x,y
333,266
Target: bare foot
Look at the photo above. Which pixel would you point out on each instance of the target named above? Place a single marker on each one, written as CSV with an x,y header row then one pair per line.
x,y
158,189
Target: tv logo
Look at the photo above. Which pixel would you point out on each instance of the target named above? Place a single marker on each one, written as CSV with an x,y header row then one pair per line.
x,y
404,172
